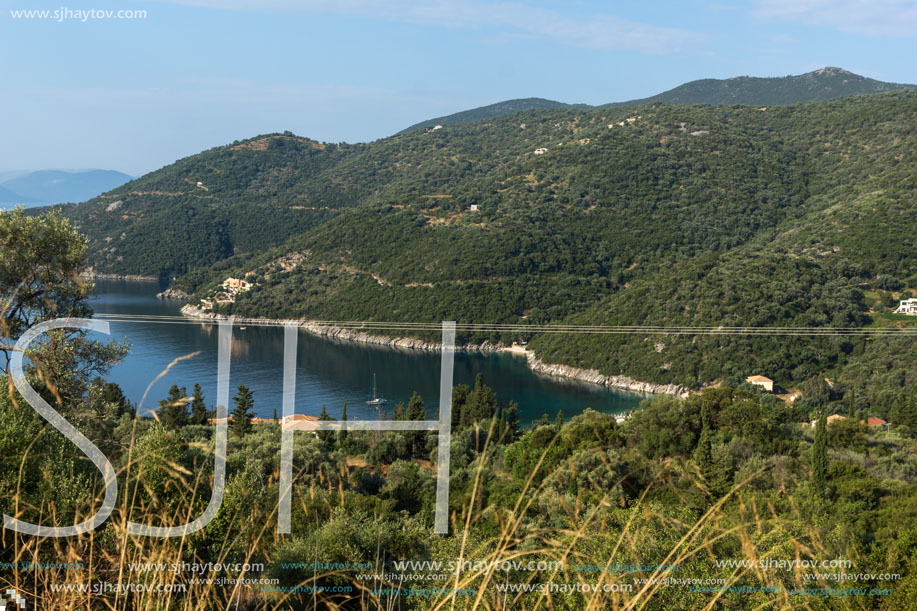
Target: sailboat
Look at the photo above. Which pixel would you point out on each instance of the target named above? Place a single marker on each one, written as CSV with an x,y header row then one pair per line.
x,y
373,399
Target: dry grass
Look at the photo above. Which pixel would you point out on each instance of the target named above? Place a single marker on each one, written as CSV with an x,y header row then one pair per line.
x,y
517,539
110,554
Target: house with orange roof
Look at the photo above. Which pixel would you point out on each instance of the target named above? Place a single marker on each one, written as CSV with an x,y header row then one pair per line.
x,y
299,422
873,422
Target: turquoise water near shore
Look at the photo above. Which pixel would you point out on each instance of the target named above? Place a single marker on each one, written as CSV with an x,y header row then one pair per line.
x,y
329,372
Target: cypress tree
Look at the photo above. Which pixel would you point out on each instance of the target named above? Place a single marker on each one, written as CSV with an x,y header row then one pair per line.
x,y
342,434
243,411
705,416
459,405
911,422
327,437
511,419
482,403
199,413
415,408
703,455
416,412
173,411
820,455
906,415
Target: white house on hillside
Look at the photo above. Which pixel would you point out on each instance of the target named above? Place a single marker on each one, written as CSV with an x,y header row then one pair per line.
x,y
907,306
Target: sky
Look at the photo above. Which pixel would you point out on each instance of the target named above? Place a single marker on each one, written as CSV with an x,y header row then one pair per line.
x,y
134,94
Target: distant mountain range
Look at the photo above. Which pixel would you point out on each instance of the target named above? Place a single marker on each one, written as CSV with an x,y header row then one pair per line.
x,y
822,84
11,197
57,186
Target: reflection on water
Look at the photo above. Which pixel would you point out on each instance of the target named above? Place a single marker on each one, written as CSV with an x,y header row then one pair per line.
x,y
329,372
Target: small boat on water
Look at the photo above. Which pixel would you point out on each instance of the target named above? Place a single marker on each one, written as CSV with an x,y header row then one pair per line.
x,y
373,398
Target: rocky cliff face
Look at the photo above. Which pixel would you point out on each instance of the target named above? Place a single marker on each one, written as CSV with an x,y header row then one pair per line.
x,y
350,335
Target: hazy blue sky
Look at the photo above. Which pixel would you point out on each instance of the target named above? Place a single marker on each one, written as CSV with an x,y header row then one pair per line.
x,y
133,95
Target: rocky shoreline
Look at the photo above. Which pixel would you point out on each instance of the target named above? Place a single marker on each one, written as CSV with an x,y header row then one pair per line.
x,y
591,376
132,277
594,377
171,293
349,335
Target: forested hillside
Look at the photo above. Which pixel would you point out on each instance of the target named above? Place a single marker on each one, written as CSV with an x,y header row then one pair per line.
x,y
822,84
787,216
491,111
238,198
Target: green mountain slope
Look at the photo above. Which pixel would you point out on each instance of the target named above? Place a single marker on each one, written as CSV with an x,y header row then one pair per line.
x,y
784,217
491,111
844,262
822,84
664,215
250,195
